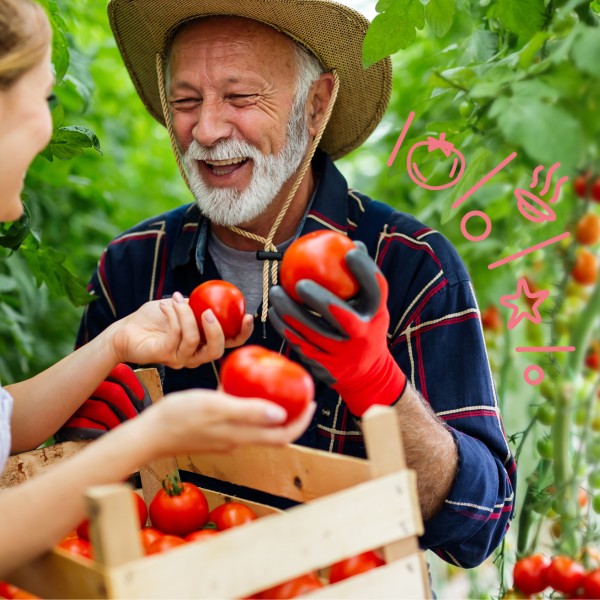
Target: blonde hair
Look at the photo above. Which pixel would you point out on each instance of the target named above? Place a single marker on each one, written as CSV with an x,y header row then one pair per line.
x,y
24,37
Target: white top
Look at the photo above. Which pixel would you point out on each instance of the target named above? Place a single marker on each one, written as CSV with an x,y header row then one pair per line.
x,y
6,405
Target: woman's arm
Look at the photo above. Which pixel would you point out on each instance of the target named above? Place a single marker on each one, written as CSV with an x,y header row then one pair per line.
x,y
191,421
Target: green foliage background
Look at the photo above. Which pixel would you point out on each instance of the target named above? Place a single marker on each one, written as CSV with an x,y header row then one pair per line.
x,y
495,76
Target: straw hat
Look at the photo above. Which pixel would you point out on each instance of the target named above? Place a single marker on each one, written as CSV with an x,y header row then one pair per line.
x,y
332,32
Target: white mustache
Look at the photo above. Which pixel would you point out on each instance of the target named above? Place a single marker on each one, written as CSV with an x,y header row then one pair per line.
x,y
223,150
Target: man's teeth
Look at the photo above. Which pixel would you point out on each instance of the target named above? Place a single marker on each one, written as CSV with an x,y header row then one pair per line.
x,y
226,162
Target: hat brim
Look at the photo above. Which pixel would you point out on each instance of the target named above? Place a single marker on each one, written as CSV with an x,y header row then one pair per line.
x,y
332,32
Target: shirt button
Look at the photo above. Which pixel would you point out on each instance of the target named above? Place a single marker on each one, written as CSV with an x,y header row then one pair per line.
x,y
326,412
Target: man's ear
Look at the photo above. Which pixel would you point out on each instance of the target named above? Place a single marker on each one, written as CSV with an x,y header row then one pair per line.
x,y
318,101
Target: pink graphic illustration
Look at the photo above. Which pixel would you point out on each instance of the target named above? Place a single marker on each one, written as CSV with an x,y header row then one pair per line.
x,y
509,301
532,207
447,148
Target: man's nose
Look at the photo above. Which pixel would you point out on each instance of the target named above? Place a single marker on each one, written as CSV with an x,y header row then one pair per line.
x,y
211,124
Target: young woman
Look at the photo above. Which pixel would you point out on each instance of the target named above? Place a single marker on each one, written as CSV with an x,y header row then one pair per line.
x,y
163,332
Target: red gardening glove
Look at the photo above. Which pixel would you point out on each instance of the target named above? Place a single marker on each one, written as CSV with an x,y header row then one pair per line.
x,y
346,347
121,396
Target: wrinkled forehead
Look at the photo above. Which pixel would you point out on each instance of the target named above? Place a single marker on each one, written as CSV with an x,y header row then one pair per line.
x,y
232,28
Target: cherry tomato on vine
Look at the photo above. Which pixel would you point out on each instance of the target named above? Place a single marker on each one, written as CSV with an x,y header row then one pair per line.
x,y
545,414
76,546
179,508
587,231
225,300
164,543
545,447
530,573
491,319
565,575
231,514
580,185
319,256
354,565
255,372
591,584
595,191
292,588
585,270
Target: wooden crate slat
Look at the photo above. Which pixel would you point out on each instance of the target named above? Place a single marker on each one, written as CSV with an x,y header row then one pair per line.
x,y
278,547
294,472
59,574
401,579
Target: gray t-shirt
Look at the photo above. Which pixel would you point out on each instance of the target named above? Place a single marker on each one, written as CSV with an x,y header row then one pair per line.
x,y
241,268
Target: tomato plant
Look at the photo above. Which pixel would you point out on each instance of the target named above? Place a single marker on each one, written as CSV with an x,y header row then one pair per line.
x,y
354,565
76,546
178,508
292,588
225,300
564,574
255,372
83,529
164,543
231,514
319,256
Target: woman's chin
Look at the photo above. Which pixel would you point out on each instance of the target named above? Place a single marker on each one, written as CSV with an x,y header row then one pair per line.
x,y
11,211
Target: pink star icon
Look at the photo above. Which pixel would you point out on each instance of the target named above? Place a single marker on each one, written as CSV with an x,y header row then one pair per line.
x,y
517,316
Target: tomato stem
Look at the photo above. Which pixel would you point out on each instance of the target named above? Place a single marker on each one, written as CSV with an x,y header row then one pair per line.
x,y
172,485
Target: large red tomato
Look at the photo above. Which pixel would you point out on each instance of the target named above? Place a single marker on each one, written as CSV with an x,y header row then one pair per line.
x,y
255,372
148,535
76,546
83,530
530,574
231,514
565,575
292,588
164,543
591,584
225,300
319,256
179,508
354,566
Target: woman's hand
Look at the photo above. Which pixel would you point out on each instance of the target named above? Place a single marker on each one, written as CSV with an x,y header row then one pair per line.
x,y
166,332
199,420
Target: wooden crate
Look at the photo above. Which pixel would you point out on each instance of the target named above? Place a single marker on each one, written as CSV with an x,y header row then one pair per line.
x,y
348,506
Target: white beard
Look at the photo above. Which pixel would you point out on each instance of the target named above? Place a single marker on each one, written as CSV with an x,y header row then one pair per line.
x,y
229,206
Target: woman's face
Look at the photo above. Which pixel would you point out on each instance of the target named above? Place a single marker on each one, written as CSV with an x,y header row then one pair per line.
x,y
25,129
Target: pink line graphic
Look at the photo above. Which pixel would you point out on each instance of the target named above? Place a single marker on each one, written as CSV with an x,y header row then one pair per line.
x,y
545,348
401,137
485,179
533,248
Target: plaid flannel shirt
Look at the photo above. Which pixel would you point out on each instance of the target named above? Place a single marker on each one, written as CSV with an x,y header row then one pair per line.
x,y
435,336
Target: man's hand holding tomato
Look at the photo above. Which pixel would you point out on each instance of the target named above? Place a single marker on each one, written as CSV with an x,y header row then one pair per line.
x,y
346,347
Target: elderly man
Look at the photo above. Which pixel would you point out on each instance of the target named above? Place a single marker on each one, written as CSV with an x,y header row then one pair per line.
x,y
259,97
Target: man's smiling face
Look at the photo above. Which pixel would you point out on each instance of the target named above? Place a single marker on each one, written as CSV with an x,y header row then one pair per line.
x,y
231,93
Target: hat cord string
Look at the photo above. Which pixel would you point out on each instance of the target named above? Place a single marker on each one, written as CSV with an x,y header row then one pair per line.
x,y
268,265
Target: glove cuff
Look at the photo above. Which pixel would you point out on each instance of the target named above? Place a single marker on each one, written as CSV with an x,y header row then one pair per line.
x,y
384,385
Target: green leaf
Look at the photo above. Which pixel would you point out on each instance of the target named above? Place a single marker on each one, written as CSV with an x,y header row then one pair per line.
x,y
523,17
70,141
547,133
481,46
13,236
586,51
7,284
439,15
392,30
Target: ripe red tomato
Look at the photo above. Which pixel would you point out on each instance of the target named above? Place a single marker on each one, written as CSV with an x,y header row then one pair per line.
x,y
200,535
491,319
179,508
585,270
225,300
83,530
595,192
319,256
149,535
565,575
255,372
530,574
76,546
8,590
587,230
292,588
164,543
580,184
354,566
591,584
231,514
